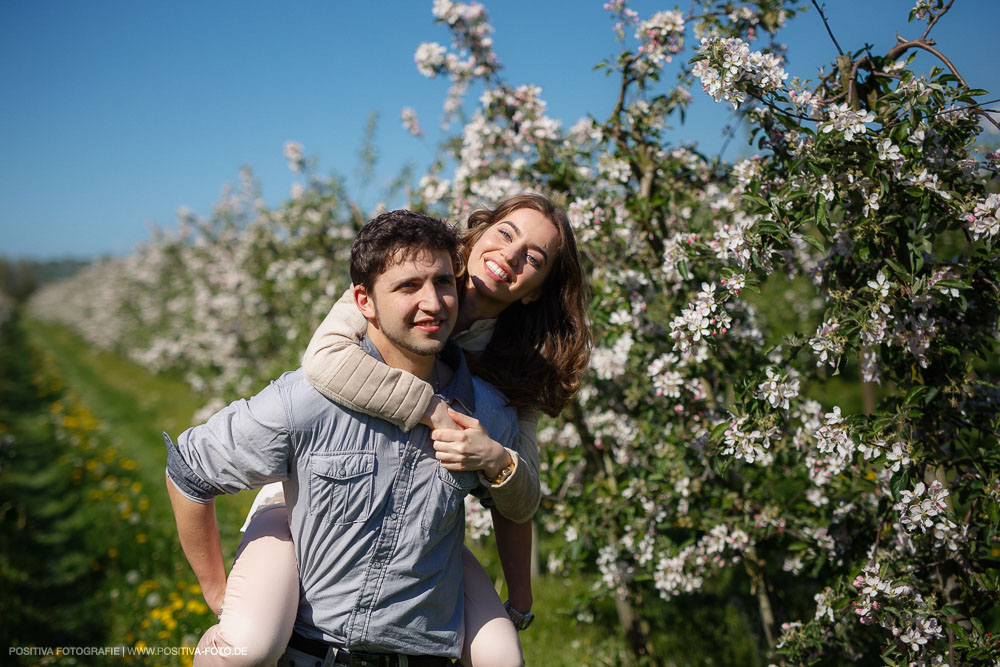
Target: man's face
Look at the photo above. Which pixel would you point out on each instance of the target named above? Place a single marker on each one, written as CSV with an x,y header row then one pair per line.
x,y
413,303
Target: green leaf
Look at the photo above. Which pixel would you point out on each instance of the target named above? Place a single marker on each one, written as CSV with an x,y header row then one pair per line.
x,y
899,482
814,242
682,269
900,270
756,199
718,431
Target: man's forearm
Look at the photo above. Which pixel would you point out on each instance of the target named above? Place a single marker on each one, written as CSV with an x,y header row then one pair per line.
x,y
198,530
514,548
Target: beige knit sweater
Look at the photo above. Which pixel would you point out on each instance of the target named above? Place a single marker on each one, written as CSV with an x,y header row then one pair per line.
x,y
339,369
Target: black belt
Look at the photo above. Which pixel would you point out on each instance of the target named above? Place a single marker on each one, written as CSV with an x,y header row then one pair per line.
x,y
319,648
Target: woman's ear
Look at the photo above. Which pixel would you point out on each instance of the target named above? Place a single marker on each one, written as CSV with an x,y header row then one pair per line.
x,y
533,297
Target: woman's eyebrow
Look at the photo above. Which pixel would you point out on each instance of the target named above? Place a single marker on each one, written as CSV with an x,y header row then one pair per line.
x,y
519,233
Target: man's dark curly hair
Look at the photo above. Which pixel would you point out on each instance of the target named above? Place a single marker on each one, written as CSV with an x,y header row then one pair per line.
x,y
396,236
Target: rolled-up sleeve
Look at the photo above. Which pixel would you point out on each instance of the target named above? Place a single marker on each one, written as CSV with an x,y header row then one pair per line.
x,y
245,445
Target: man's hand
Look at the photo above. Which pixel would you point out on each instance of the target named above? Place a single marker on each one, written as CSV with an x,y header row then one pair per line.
x,y
436,415
469,447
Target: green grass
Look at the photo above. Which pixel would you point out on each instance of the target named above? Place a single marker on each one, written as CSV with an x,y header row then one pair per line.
x,y
135,407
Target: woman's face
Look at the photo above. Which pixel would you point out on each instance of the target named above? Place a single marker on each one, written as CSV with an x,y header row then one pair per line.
x,y
512,258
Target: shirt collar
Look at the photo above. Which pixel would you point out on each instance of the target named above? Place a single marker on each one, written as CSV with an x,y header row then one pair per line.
x,y
459,388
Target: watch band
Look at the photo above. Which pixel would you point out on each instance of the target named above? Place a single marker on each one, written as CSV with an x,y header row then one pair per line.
x,y
521,620
503,474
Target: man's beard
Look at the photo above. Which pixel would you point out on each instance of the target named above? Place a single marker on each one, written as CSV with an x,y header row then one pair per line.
x,y
430,348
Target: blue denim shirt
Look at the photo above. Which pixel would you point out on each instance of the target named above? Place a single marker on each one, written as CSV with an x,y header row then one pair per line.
x,y
377,523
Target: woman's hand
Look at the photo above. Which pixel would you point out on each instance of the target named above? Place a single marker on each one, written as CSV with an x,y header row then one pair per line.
x,y
469,447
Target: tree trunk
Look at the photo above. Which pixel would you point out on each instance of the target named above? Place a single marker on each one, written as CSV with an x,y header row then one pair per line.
x,y
636,632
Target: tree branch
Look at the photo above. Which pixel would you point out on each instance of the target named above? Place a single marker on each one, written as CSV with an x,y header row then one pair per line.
x,y
936,17
926,45
827,24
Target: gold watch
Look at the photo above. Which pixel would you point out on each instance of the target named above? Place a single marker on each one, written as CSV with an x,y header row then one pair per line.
x,y
503,474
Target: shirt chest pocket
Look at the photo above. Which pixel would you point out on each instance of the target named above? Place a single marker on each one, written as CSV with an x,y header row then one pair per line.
x,y
446,501
341,487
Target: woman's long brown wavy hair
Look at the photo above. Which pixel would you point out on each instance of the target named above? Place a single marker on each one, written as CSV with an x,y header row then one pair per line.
x,y
539,350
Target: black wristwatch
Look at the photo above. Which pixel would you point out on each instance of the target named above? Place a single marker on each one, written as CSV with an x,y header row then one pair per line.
x,y
521,621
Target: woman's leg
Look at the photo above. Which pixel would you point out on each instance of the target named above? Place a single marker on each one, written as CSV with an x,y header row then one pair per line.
x,y
490,637
262,597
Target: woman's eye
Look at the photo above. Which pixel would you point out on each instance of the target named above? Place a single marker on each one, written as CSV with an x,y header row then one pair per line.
x,y
504,233
534,261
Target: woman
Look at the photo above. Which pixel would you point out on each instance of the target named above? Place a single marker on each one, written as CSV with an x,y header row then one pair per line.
x,y
523,323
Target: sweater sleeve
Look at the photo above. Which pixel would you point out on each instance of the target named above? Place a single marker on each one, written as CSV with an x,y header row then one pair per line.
x,y
339,369
518,496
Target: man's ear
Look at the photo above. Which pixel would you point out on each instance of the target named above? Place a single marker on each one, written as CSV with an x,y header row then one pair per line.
x,y
364,302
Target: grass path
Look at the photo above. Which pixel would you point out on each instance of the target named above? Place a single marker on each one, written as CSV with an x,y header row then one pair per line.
x,y
135,406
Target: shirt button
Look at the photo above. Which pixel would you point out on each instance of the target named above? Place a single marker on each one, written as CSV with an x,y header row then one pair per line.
x,y
343,471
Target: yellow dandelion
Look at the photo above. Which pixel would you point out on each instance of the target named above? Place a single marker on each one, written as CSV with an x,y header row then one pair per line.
x,y
995,552
87,421
141,644
91,464
142,538
170,623
136,487
196,607
112,553
95,494
163,634
870,475
145,623
147,586
143,504
194,589
128,464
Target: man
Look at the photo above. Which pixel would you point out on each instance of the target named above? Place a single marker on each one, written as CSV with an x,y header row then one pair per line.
x,y
377,522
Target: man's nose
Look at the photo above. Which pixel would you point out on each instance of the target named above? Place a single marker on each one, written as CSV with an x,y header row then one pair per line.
x,y
430,300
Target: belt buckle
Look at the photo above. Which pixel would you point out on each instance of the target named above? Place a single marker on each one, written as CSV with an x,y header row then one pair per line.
x,y
370,660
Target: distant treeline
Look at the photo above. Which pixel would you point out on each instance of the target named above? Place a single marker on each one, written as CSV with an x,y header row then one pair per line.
x,y
20,277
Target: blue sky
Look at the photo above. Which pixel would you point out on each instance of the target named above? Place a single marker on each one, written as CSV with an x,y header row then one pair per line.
x,y
115,113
